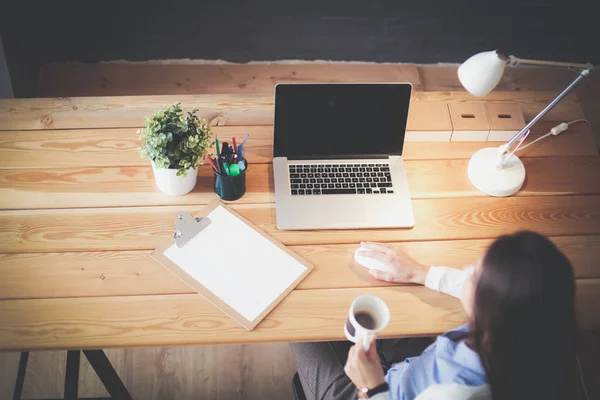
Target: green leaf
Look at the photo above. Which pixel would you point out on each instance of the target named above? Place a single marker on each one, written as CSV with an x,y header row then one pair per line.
x,y
172,139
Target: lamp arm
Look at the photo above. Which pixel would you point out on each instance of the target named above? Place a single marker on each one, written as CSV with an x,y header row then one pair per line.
x,y
515,61
524,132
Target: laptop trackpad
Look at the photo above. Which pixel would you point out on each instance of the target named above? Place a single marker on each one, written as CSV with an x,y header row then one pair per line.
x,y
342,212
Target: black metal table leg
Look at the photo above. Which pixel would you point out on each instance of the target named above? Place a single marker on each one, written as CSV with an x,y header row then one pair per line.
x,y
107,374
98,361
21,375
72,375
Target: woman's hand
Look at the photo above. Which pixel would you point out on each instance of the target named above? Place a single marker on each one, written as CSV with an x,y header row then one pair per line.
x,y
403,268
364,367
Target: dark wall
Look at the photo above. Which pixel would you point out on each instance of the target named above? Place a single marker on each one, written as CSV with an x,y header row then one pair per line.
x,y
241,31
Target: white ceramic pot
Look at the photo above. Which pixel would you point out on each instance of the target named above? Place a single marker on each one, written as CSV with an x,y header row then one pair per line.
x,y
168,182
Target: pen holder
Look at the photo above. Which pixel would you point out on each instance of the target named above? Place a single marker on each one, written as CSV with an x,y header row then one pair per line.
x,y
230,187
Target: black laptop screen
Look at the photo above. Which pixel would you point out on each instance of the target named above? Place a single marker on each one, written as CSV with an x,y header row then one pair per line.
x,y
338,120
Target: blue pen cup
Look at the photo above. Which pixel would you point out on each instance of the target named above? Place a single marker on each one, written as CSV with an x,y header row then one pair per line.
x,y
230,188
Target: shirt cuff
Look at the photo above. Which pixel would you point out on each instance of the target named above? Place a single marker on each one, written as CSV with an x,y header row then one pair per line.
x,y
381,396
446,280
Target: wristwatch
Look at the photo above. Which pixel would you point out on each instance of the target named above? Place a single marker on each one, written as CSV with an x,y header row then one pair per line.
x,y
384,387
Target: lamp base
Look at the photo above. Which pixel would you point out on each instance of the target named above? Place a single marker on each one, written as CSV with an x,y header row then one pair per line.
x,y
491,180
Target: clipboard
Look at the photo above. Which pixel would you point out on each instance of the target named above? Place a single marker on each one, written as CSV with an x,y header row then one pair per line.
x,y
192,231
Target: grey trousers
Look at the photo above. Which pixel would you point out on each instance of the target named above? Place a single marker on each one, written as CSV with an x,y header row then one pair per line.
x,y
321,365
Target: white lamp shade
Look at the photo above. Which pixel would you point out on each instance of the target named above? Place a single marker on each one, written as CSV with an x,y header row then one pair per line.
x,y
482,72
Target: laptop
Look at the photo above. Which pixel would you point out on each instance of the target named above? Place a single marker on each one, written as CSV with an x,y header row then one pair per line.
x,y
337,156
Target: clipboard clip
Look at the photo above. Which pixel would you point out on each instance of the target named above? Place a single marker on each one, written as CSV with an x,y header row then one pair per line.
x,y
186,227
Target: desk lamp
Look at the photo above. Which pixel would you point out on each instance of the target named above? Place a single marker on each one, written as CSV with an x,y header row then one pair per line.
x,y
493,170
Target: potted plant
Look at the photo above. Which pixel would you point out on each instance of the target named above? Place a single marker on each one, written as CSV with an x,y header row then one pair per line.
x,y
175,144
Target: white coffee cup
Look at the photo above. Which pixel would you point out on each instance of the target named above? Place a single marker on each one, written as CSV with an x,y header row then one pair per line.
x,y
368,315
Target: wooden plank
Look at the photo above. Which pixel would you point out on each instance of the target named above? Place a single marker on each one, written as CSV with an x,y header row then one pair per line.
x,y
590,103
103,322
445,77
127,273
221,109
139,228
126,79
119,147
572,143
127,112
120,186
190,320
531,103
108,147
335,267
135,186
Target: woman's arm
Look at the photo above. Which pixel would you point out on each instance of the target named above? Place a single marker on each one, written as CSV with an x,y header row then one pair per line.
x,y
365,371
404,268
446,280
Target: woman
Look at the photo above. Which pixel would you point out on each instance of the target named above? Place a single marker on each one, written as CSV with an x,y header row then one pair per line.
x,y
519,340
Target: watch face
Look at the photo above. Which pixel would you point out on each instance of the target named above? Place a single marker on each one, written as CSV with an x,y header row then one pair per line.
x,y
364,390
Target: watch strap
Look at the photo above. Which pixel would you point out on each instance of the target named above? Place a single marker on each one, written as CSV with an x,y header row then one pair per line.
x,y
384,387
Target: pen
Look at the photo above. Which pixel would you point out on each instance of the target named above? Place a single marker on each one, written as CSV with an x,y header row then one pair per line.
x,y
212,163
241,147
245,138
234,144
217,146
224,160
220,165
226,168
225,148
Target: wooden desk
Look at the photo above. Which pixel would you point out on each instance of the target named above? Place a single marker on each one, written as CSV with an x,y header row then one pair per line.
x,y
80,215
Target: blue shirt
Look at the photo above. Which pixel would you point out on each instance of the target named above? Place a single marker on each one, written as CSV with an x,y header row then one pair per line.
x,y
444,361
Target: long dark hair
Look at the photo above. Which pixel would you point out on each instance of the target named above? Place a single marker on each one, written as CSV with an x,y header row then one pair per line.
x,y
523,324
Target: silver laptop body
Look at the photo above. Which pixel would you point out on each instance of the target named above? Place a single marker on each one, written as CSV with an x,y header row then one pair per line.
x,y
338,156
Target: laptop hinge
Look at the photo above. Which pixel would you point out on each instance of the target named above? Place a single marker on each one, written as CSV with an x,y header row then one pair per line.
x,y
344,157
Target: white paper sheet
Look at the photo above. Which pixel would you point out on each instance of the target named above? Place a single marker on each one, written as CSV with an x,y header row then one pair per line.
x,y
237,264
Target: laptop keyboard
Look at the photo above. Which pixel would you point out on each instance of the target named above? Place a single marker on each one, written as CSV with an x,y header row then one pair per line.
x,y
322,179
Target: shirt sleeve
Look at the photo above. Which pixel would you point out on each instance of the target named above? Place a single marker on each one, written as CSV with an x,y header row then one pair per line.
x,y
446,280
381,396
